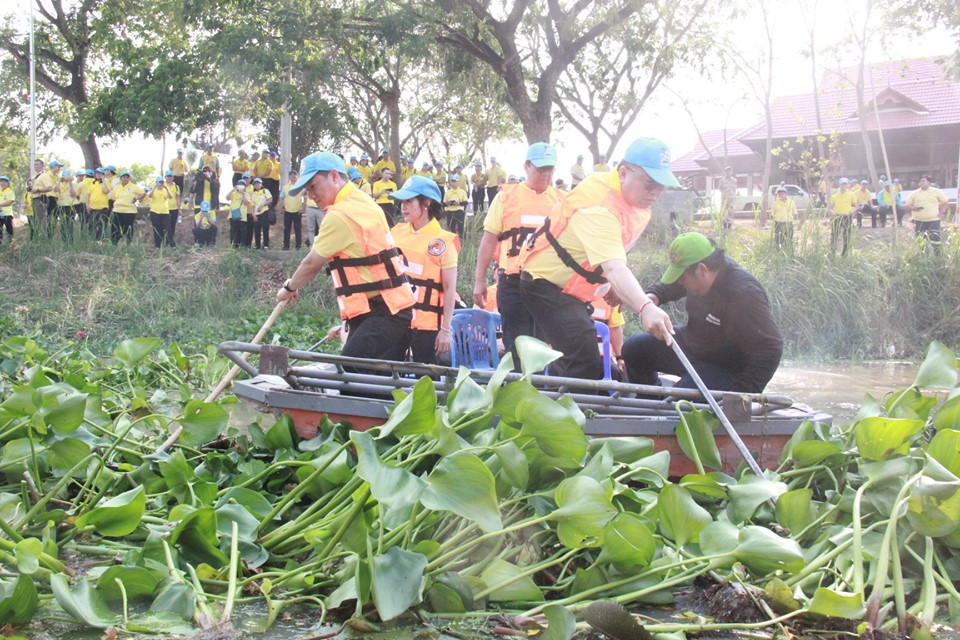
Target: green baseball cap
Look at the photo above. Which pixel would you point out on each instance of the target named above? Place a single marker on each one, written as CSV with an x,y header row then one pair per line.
x,y
686,249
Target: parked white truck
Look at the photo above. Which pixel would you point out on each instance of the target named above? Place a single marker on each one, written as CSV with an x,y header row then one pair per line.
x,y
745,205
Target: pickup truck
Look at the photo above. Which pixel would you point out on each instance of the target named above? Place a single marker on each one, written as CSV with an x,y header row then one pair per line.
x,y
746,204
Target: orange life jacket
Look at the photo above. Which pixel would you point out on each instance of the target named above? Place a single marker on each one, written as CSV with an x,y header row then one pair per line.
x,y
369,227
524,211
422,257
602,311
587,282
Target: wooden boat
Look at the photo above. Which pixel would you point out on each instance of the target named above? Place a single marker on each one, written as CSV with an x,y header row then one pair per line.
x,y
309,386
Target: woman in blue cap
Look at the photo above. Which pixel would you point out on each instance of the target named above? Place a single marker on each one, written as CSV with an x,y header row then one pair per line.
x,y
430,262
7,198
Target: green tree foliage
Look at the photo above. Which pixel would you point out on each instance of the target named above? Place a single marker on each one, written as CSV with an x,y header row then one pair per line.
x,y
14,159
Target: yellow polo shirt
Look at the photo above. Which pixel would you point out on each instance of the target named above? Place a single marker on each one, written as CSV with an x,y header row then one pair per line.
x,y
496,176
64,197
204,219
46,180
210,160
384,164
843,202
291,204
478,179
261,199
125,198
99,199
5,195
601,167
275,170
383,185
406,172
262,168
784,210
593,236
241,165
159,201
174,200
178,166
365,171
930,200
239,201
863,196
454,195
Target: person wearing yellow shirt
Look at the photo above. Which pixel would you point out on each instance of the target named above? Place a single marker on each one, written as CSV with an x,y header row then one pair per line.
x,y
842,205
406,168
374,297
241,165
478,183
159,198
125,196
43,191
382,189
496,178
365,169
455,202
205,226
174,205
7,198
98,202
440,176
210,159
271,182
897,187
113,181
864,199
601,164
86,180
383,163
783,214
430,263
239,204
204,189
180,168
926,206
580,255
358,180
66,199
263,166
293,207
261,201
426,171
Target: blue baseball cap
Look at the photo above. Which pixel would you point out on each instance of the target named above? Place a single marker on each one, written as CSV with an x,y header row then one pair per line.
x,y
418,186
653,156
89,172
125,173
112,168
385,150
168,173
364,156
353,173
541,154
159,179
7,178
477,163
204,206
244,175
843,181
314,163
54,163
492,159
180,150
65,173
256,180
101,170
352,158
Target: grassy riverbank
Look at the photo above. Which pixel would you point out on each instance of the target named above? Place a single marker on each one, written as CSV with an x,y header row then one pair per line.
x,y
886,299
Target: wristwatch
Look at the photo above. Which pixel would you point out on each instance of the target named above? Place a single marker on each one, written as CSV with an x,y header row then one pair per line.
x,y
286,285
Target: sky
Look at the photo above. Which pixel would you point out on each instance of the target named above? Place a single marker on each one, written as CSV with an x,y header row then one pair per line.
x,y
716,103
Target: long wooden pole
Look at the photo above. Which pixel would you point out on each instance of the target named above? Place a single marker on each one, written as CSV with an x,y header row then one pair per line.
x,y
217,390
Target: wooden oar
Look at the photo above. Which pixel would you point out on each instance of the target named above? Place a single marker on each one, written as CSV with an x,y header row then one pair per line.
x,y
741,447
217,390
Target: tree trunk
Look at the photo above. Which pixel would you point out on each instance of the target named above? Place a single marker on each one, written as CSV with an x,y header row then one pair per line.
x,y
91,153
536,122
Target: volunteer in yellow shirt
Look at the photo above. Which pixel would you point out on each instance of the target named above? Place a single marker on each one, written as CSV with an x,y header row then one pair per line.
x,y
496,178
926,205
601,164
98,202
783,214
384,163
159,198
125,197
293,207
375,298
272,182
406,168
7,198
43,189
364,167
241,165
239,204
455,202
842,204
440,176
66,199
179,167
430,263
426,171
580,255
382,189
204,226
261,201
478,183
175,204
864,200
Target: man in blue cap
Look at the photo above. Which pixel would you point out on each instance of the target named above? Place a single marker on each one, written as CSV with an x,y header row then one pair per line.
x,y
730,336
580,255
7,198
514,213
355,246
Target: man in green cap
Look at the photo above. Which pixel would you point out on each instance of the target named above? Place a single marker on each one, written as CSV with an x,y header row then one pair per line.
x,y
730,337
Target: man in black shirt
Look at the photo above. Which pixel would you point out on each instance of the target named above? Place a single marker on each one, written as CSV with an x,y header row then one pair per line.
x,y
730,337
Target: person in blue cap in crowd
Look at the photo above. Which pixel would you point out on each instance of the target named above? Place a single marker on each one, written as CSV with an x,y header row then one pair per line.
x,y
514,213
356,247
125,196
7,198
580,255
478,184
496,178
180,168
112,180
365,168
430,261
205,226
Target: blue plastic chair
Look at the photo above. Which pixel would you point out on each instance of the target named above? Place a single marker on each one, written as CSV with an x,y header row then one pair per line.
x,y
603,335
475,339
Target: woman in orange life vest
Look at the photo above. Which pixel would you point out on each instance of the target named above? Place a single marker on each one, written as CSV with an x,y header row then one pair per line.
x,y
430,262
355,246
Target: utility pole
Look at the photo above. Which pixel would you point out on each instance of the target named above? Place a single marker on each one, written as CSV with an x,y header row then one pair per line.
x,y
285,134
33,99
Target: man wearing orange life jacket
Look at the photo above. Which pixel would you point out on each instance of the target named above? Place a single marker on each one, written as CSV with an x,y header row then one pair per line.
x,y
355,245
515,212
580,255
430,262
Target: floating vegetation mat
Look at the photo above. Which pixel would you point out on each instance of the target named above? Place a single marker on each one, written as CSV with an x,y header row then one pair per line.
x,y
493,508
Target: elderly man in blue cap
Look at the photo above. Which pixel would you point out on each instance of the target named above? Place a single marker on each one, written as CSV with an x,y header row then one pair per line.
x,y
354,244
580,255
514,213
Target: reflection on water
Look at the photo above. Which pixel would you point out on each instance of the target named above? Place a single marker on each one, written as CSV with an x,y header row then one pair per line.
x,y
839,389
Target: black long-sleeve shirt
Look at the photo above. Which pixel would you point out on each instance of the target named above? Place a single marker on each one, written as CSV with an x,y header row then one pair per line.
x,y
731,326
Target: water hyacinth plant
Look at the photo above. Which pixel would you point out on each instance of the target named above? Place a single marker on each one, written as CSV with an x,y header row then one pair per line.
x,y
495,502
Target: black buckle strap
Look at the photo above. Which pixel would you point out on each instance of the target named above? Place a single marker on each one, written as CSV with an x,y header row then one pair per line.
x,y
593,277
517,236
385,257
431,287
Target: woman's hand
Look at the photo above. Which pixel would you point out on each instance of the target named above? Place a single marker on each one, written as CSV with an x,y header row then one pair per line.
x,y
444,339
